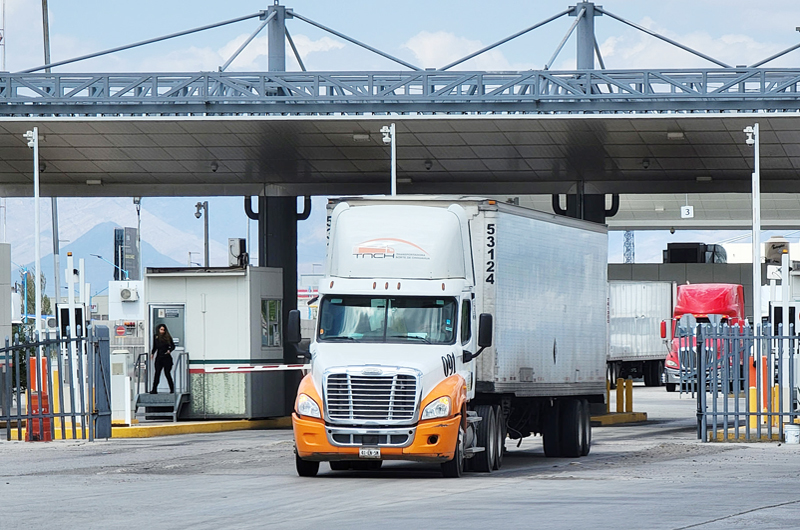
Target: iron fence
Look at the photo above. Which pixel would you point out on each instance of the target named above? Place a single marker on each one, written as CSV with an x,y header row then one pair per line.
x,y
745,380
54,387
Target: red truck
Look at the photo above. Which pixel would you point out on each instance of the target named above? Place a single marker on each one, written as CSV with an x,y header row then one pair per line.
x,y
700,300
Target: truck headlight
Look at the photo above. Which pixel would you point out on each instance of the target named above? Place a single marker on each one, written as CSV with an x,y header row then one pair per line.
x,y
307,407
672,364
438,408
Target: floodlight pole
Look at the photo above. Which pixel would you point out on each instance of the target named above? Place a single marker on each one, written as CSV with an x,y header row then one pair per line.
x,y
388,132
752,139
33,142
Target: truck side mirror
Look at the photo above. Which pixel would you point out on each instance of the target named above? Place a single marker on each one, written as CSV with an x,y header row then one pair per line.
x,y
293,327
663,329
484,337
485,330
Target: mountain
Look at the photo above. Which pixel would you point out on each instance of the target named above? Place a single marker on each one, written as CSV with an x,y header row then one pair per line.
x,y
98,240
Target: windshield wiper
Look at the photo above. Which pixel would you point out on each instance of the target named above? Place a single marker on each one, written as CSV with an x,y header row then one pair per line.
x,y
341,337
423,339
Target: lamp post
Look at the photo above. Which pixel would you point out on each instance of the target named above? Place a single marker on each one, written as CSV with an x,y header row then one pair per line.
x,y
137,201
752,139
388,132
204,207
112,264
33,143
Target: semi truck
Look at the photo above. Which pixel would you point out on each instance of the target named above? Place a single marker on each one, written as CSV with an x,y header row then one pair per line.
x,y
446,325
699,300
636,309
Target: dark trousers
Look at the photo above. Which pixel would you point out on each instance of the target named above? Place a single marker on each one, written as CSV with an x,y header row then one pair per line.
x,y
163,362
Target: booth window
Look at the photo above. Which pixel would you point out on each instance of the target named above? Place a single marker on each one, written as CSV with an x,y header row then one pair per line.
x,y
270,323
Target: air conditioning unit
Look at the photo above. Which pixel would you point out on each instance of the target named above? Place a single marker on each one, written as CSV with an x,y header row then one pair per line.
x,y
129,294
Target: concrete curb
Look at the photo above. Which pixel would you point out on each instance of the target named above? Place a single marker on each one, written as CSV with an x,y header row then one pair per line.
x,y
616,418
197,427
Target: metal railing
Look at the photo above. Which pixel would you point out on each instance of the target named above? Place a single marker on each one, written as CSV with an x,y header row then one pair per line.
x,y
55,387
745,381
143,374
311,93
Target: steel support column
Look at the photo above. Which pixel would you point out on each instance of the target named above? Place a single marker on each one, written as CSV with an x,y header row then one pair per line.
x,y
585,35
276,33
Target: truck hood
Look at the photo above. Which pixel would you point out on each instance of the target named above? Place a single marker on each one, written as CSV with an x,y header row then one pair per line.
x,y
430,360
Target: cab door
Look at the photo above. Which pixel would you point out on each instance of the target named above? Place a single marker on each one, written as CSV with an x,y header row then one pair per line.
x,y
468,341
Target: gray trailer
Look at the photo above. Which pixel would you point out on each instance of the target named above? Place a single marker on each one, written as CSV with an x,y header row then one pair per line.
x,y
636,310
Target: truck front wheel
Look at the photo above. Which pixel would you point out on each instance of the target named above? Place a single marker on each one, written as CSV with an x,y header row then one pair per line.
x,y
455,468
501,436
305,468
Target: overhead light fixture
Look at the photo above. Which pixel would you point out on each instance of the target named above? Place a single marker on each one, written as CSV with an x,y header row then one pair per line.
x,y
704,179
659,208
214,166
361,137
94,182
404,180
428,164
675,136
646,163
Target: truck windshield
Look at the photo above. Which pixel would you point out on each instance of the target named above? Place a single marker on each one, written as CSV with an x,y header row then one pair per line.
x,y
402,319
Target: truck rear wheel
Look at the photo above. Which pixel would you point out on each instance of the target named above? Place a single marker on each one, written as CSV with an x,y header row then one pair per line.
x,y
501,436
571,428
487,438
455,468
305,468
586,441
550,430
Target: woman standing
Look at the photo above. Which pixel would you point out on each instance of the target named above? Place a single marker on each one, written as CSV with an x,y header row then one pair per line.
x,y
163,346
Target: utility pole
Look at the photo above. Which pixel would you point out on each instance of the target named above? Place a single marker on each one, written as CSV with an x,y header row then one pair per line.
x,y
33,143
752,139
53,200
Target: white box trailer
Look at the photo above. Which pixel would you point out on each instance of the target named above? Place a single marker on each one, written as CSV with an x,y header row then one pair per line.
x,y
636,310
446,324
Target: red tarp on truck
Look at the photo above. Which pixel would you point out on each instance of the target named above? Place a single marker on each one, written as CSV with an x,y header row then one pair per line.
x,y
710,299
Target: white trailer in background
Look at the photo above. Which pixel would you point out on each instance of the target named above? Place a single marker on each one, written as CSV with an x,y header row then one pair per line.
x,y
636,310
446,324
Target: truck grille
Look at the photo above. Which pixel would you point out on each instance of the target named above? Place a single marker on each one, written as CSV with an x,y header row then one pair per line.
x,y
380,398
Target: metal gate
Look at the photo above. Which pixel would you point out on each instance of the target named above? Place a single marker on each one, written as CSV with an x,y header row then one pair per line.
x,y
54,387
745,380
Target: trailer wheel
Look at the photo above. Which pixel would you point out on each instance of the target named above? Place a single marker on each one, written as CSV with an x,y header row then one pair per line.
x,y
305,468
652,373
586,441
670,387
501,436
550,430
572,427
487,438
455,468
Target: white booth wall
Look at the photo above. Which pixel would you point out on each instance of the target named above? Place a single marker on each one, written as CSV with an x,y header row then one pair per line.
x,y
223,330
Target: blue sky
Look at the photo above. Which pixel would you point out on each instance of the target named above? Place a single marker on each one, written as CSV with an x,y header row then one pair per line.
x,y
428,34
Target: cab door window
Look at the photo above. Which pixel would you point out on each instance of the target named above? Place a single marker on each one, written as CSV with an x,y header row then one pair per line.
x,y
466,321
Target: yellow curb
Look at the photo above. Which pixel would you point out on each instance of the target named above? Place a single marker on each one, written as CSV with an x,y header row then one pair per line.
x,y
720,437
615,418
170,429
195,427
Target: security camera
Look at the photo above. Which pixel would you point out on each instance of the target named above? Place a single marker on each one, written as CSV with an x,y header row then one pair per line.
x,y
672,230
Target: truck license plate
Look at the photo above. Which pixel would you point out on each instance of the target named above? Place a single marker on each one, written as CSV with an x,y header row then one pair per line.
x,y
369,452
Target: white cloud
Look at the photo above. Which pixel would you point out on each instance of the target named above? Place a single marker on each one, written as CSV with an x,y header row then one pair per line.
x,y
434,50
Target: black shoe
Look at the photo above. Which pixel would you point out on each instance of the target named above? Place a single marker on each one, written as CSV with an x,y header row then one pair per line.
x,y
154,391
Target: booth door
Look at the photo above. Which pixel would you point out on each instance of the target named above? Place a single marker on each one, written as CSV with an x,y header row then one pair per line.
x,y
172,315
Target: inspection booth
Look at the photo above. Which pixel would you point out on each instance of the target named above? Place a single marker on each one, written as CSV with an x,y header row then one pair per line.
x,y
228,322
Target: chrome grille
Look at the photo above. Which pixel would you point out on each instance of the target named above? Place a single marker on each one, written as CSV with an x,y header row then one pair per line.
x,y
379,398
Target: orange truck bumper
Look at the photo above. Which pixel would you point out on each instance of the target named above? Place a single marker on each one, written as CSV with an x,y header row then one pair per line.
x,y
434,441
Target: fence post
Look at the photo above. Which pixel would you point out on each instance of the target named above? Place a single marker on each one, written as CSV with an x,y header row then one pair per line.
x,y
102,382
701,385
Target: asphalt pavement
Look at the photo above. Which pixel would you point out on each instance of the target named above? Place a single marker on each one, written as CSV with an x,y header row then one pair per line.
x,y
649,475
